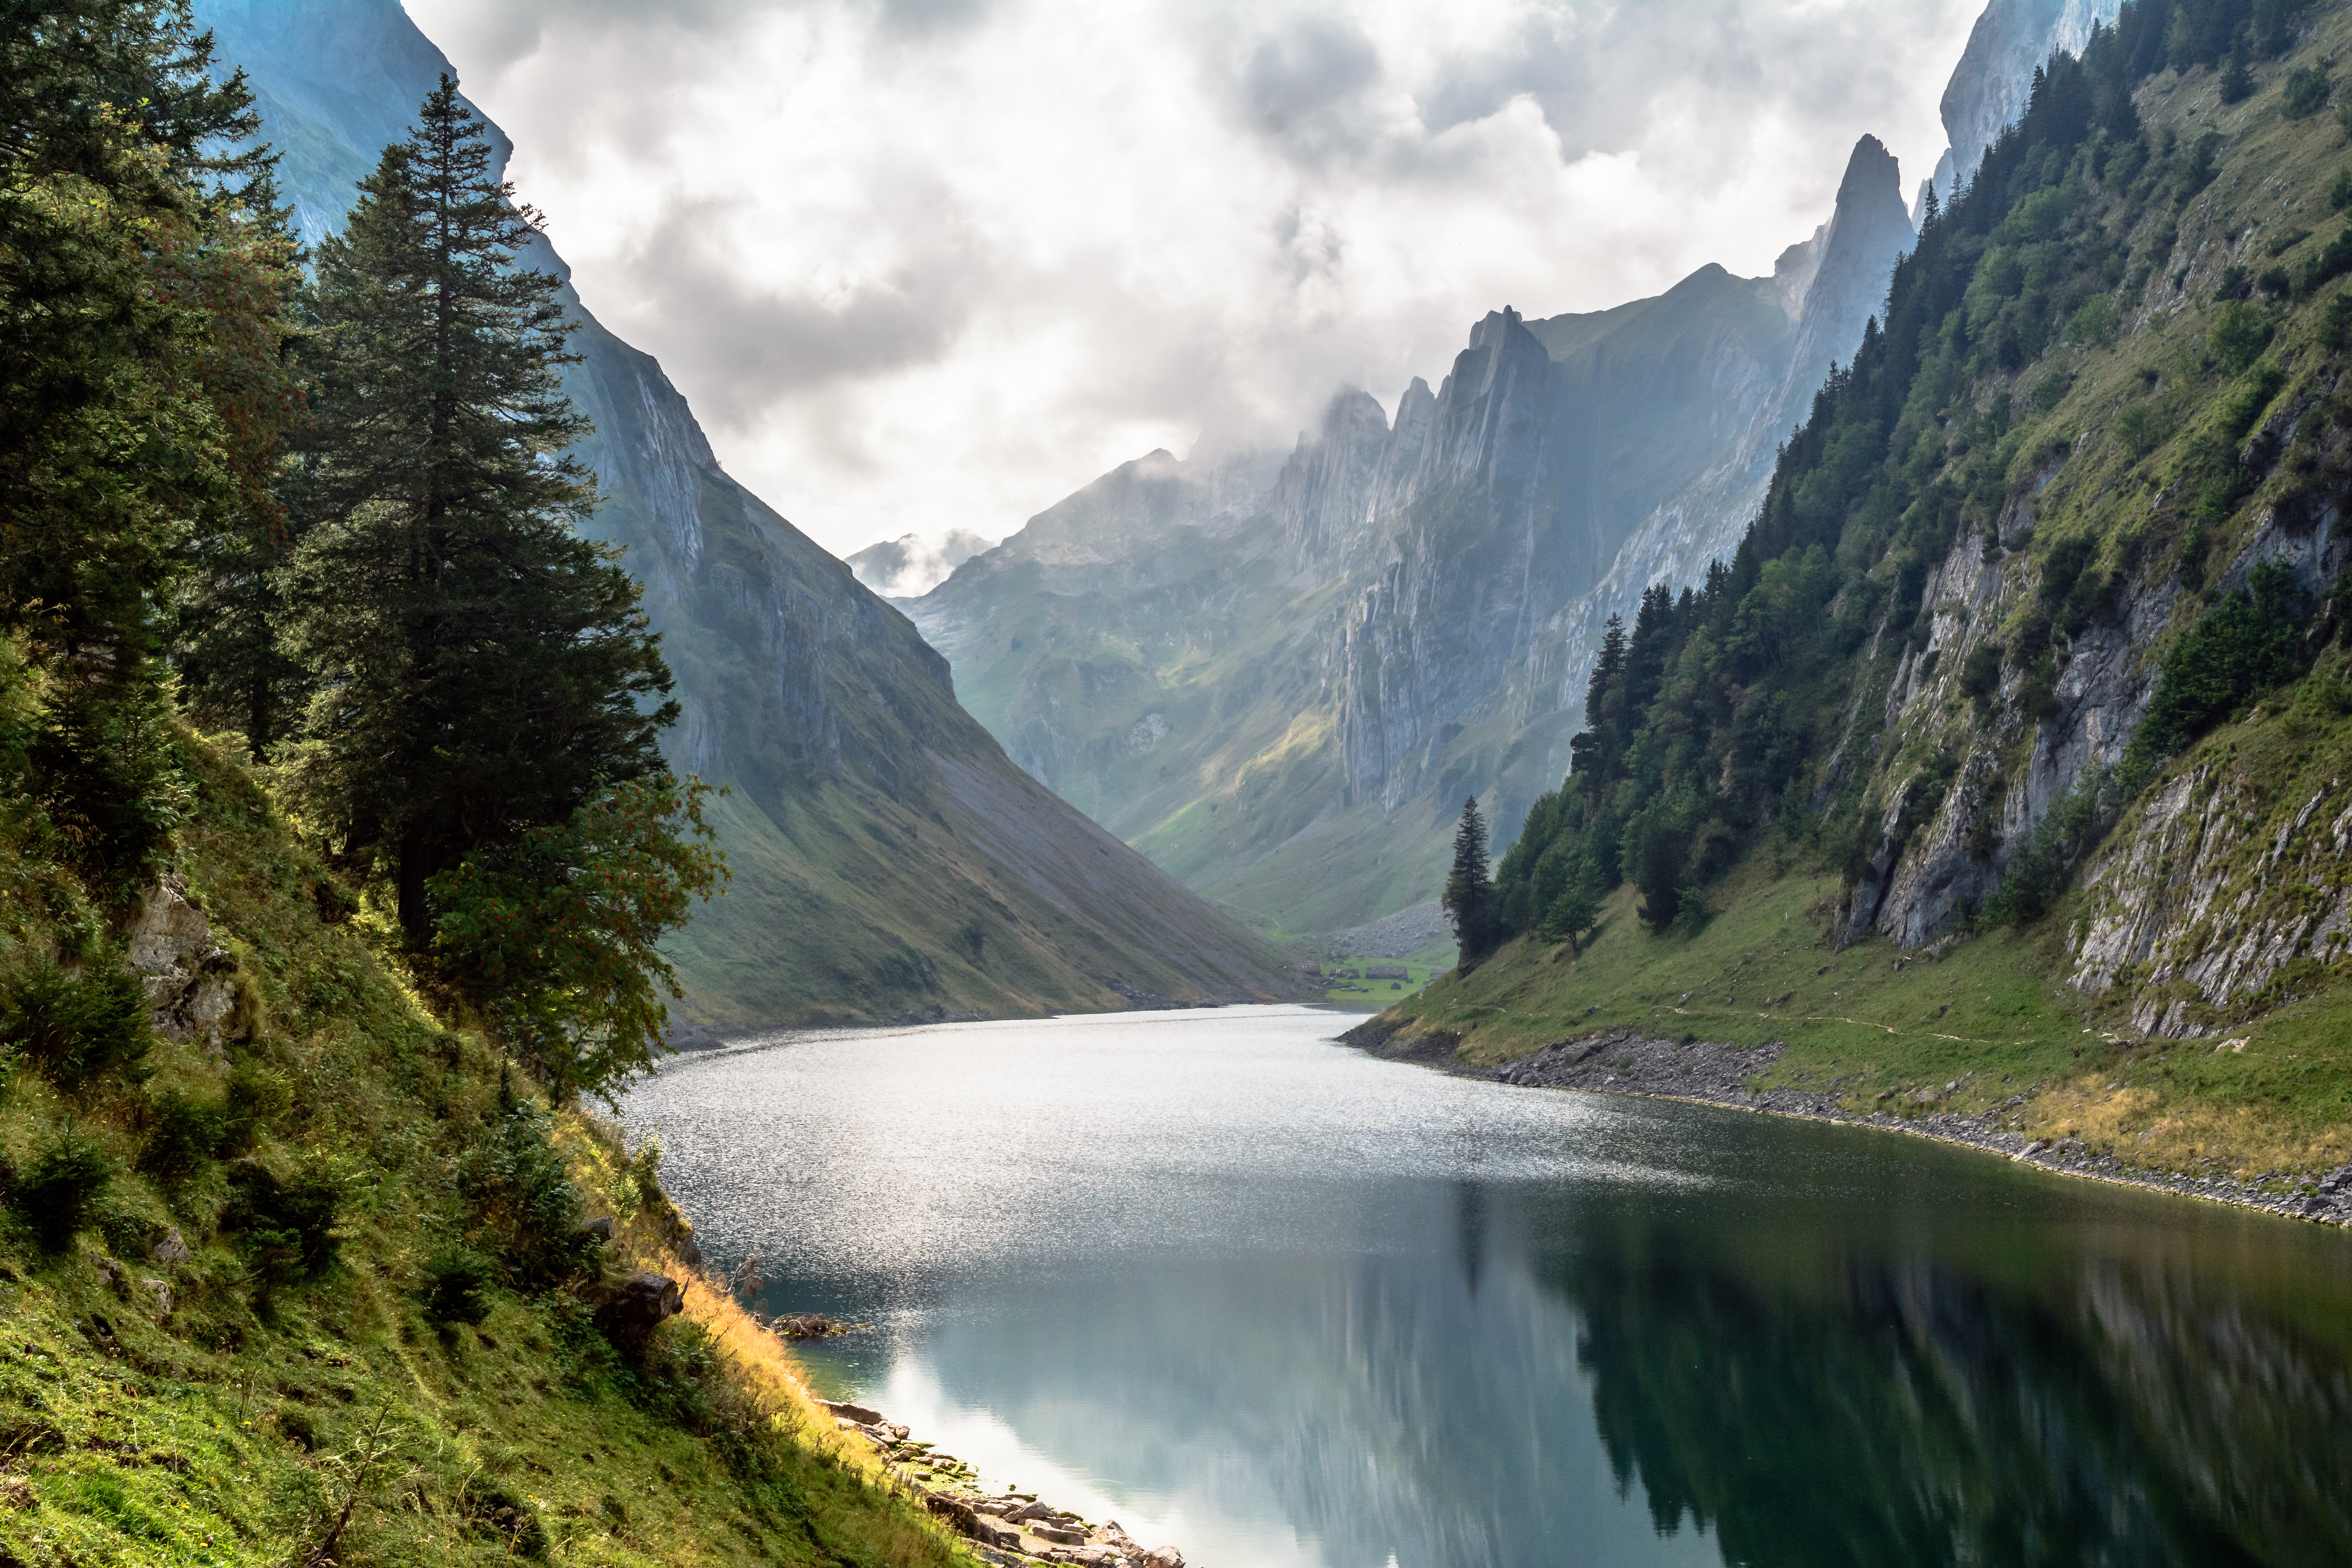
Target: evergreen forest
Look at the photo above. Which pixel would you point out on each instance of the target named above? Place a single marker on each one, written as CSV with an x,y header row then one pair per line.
x,y
322,504
1723,718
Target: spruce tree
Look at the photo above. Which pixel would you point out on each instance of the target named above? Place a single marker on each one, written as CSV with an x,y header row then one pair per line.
x,y
235,672
1469,899
132,279
483,671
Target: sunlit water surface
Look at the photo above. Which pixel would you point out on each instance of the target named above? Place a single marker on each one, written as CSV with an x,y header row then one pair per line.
x,y
1261,1297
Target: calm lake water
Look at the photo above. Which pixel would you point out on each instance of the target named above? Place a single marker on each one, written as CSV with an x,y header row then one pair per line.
x,y
1268,1300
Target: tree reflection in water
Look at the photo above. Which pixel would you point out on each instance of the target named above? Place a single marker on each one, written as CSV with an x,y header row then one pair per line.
x,y
1814,1401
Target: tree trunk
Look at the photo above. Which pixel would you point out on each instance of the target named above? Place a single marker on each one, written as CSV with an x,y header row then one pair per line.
x,y
415,919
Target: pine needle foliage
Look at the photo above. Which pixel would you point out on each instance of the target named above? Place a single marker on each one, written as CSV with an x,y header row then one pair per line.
x,y
483,671
1469,895
142,281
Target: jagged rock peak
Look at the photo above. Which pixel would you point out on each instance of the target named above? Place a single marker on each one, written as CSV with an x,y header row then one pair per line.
x,y
1870,169
1867,231
1494,328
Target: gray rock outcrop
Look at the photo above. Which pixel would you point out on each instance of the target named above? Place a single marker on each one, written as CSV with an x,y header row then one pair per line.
x,y
1990,87
190,979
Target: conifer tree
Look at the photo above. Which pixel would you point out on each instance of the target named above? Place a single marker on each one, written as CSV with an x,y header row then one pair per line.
x,y
235,672
133,277
1469,897
1577,908
483,670
1595,749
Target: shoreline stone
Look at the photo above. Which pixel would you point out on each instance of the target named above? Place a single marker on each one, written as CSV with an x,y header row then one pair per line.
x,y
1010,1529
1627,1062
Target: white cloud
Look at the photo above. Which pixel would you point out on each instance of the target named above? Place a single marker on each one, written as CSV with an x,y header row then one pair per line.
x,y
934,264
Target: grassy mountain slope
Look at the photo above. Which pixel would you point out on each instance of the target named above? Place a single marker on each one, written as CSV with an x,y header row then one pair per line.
x,y
224,1407
2038,790
819,704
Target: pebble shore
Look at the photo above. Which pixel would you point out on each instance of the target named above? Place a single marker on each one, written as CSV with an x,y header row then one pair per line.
x,y
1009,1528
1629,1062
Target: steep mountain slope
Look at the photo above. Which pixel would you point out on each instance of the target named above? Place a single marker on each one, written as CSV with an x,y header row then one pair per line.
x,y
1282,693
1989,87
888,858
2021,715
227,1250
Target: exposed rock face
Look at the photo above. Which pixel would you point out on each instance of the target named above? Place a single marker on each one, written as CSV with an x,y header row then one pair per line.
x,y
1995,77
816,699
1844,269
636,1306
1405,613
2207,893
189,979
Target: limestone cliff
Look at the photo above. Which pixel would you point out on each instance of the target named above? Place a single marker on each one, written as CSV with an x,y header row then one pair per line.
x,y
1284,702
1989,87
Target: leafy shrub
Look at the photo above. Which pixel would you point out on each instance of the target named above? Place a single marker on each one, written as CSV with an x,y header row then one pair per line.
x,y
2242,645
494,1509
528,1204
2339,190
1981,671
2238,335
285,1224
58,1189
257,1098
183,1135
76,1030
2193,166
2306,93
295,1424
2332,261
2335,326
2037,873
455,1281
2140,429
2094,321
2246,401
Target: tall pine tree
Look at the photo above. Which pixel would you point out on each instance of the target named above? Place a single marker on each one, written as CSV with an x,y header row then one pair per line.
x,y
1469,897
484,671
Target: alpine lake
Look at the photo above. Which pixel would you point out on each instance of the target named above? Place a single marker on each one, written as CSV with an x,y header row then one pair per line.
x,y
1277,1303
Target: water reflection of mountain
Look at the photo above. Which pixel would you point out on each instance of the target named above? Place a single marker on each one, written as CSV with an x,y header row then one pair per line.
x,y
1817,1405
1423,1405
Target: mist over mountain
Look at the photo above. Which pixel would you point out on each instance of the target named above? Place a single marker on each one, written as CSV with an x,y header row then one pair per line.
x,y
888,860
911,565
1281,679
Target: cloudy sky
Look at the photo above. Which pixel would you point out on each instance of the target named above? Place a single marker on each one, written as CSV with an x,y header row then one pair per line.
x,y
933,264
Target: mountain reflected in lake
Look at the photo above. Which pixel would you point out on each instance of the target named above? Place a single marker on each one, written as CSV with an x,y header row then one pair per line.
x,y
1275,1302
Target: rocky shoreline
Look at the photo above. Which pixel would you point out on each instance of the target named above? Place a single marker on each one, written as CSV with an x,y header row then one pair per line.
x,y
1628,1062
1010,1529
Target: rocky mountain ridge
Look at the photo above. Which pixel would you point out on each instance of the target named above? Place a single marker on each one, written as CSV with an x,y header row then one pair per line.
x,y
1282,693
888,858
